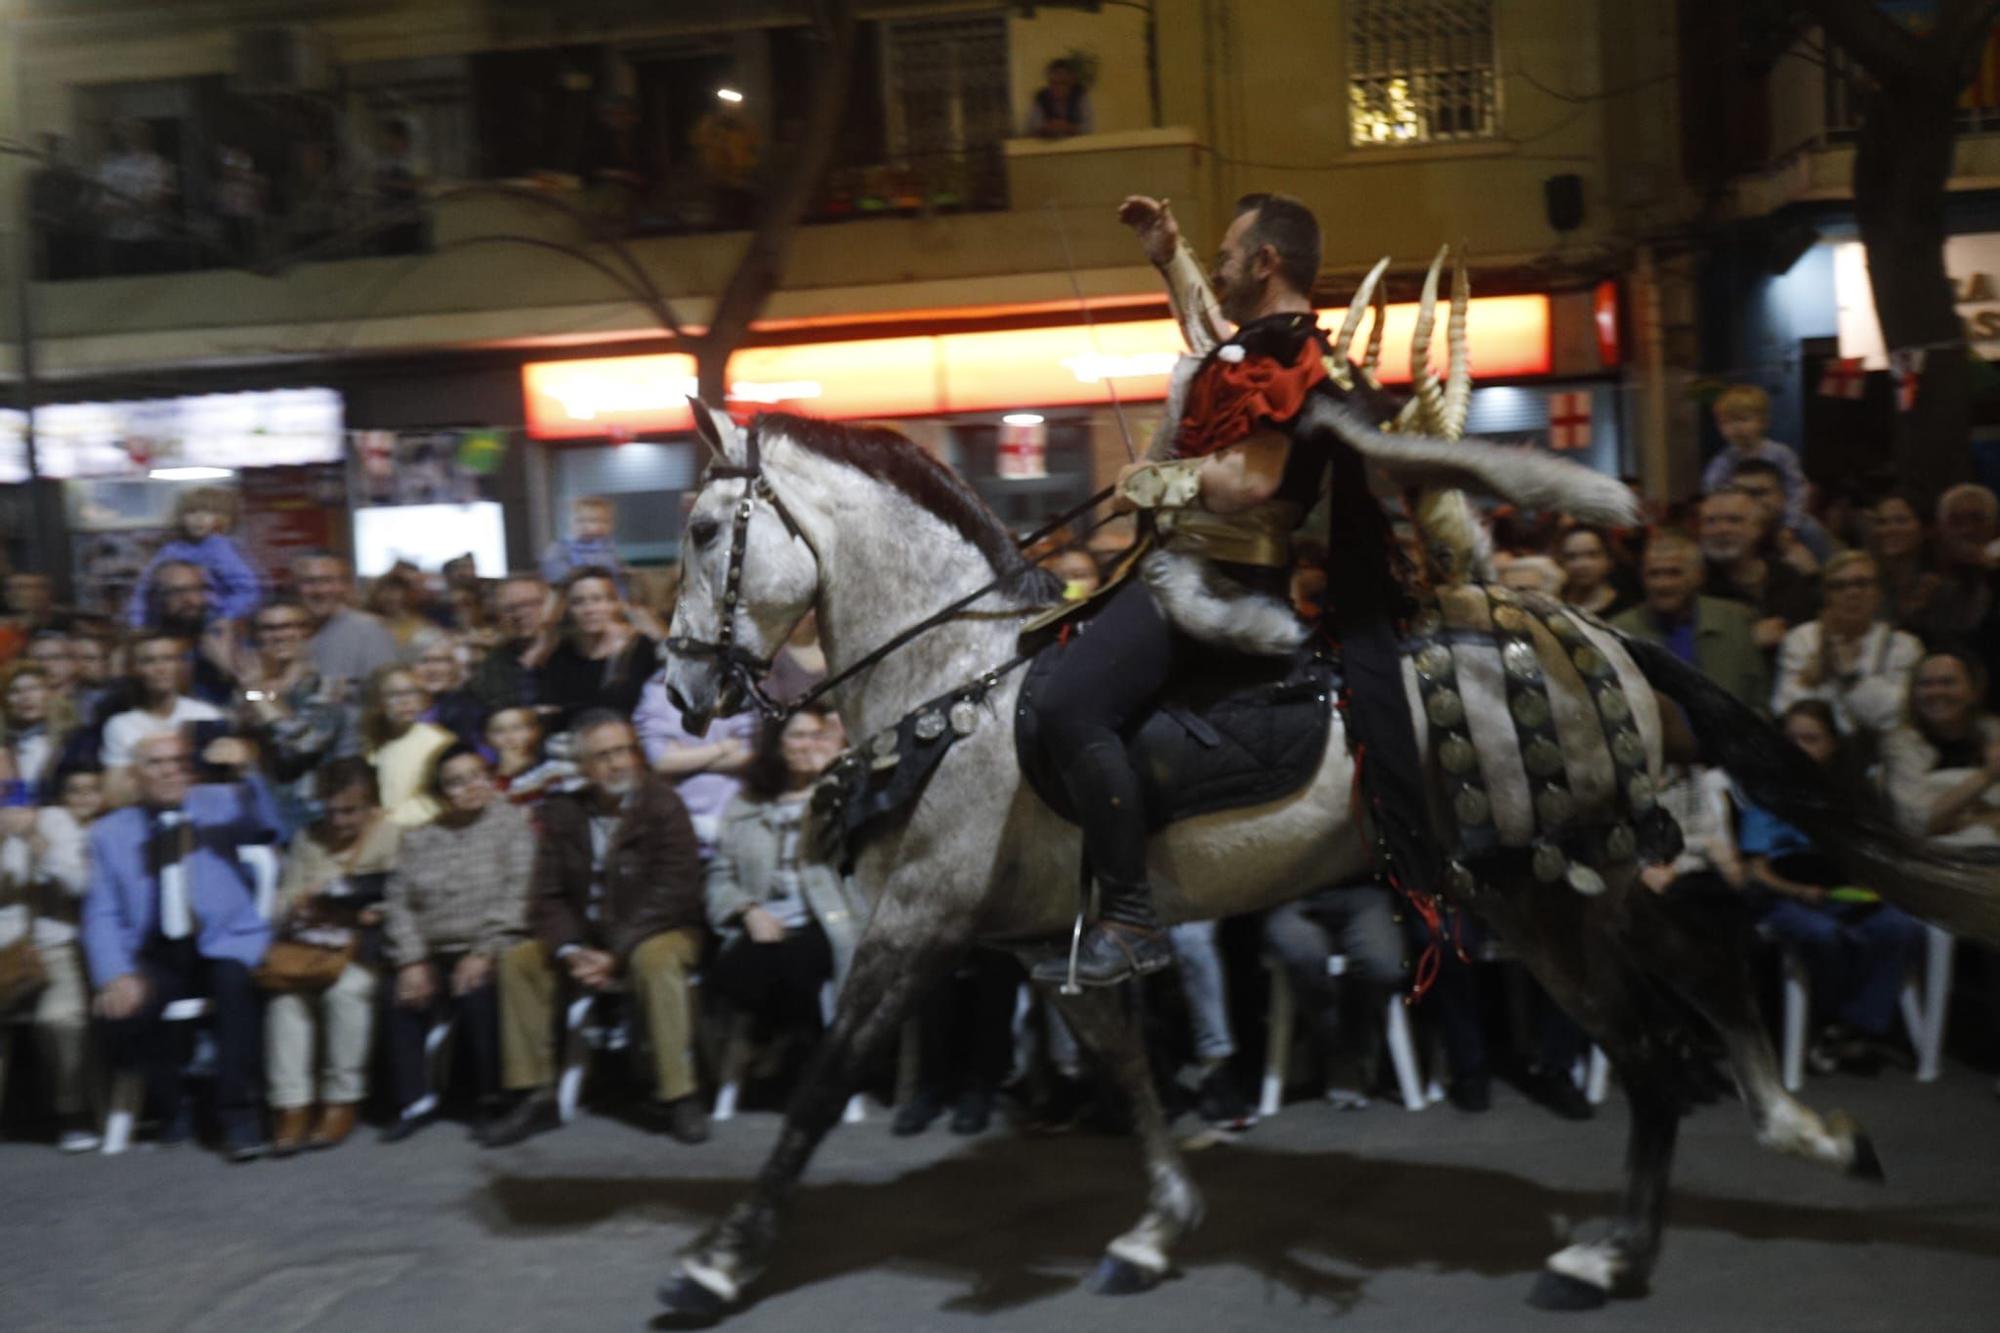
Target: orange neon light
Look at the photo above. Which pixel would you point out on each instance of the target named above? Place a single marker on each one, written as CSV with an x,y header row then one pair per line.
x,y
933,374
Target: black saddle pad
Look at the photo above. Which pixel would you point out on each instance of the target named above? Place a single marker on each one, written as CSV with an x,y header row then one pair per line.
x,y
1239,731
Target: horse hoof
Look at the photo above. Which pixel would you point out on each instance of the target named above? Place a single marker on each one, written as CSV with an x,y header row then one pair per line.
x,y
1559,1291
1121,1277
685,1303
1866,1164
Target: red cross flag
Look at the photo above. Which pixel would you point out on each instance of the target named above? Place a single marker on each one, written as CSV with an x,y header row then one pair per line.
x,y
1843,378
1569,421
1907,365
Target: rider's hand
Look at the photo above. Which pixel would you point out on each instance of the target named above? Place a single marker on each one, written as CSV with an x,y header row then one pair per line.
x,y
1153,220
1119,504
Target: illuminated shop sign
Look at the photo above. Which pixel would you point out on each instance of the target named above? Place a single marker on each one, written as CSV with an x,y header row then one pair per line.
x,y
217,430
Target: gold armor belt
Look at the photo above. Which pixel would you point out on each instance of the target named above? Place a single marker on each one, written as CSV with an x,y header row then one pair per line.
x,y
1260,536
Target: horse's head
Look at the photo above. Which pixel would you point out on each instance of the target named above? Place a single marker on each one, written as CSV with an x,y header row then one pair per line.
x,y
748,577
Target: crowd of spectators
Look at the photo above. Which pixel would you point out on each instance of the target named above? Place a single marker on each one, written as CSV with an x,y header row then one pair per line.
x,y
486,809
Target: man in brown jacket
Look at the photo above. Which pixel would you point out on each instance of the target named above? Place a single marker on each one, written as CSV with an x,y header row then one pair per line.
x,y
616,904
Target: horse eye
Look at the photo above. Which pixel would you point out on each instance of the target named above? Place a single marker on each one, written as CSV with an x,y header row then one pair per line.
x,y
703,531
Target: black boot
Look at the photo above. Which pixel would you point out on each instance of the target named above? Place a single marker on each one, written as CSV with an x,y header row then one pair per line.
x,y
1125,941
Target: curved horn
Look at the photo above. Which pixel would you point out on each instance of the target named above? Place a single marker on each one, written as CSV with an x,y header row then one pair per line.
x,y
1458,375
1423,380
1375,332
1352,324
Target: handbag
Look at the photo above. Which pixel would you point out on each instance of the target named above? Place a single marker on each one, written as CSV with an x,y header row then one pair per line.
x,y
292,966
22,975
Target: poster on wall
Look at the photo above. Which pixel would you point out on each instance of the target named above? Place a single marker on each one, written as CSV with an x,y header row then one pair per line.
x,y
288,511
428,466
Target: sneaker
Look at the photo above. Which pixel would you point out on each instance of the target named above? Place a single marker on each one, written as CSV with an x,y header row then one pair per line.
x,y
403,1126
1221,1103
974,1112
534,1114
915,1115
288,1134
76,1140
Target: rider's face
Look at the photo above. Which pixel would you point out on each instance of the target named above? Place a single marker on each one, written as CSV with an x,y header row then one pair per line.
x,y
1241,274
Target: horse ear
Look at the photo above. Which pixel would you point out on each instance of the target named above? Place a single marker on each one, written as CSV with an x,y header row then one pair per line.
x,y
718,432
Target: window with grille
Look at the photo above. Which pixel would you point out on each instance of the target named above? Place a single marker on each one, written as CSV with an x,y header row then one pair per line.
x,y
1420,71
948,111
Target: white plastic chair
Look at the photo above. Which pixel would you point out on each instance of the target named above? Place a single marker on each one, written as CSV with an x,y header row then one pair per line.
x,y
1923,1007
1282,1019
128,1088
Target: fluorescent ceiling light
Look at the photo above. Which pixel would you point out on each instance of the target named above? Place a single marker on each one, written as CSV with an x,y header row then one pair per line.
x,y
1022,419
191,473
729,95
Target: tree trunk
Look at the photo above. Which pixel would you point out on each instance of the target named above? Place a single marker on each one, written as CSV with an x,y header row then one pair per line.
x,y
1901,169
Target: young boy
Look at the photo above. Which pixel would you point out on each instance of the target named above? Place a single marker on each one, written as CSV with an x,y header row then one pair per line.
x,y
589,543
1743,414
203,516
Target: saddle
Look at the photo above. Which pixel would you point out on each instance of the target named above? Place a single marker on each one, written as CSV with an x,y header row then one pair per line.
x,y
1237,731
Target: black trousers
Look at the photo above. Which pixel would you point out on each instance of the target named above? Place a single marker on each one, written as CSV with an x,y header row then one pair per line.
x,y
779,983
477,1026
173,970
965,1027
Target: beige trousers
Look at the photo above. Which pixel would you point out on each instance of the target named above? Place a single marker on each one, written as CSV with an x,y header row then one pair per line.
x,y
531,986
61,1021
344,1016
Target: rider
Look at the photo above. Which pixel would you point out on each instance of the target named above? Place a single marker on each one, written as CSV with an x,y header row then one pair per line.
x,y
1232,476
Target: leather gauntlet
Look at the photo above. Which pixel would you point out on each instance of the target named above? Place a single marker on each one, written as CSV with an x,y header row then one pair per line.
x,y
1174,484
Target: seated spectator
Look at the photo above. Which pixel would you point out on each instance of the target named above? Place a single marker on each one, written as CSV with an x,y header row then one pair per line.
x,y
1593,579
160,666
43,878
1849,657
457,900
401,745
1961,614
170,914
32,744
54,651
617,903
1061,107
1794,538
203,518
523,771
589,546
1532,573
433,657
346,644
1711,633
1709,863
1909,579
1732,538
1942,769
706,771
1855,946
1341,1014
335,875
603,662
1742,415
91,649
510,674
1077,569
31,608
789,923
298,717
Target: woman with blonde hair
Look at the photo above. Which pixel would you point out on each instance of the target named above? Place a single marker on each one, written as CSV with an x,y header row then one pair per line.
x,y
400,744
1850,658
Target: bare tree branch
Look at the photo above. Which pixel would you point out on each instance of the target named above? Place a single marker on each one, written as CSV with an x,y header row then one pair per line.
x,y
1889,51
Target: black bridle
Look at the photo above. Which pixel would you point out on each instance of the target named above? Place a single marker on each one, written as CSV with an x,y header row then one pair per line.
x,y
745,668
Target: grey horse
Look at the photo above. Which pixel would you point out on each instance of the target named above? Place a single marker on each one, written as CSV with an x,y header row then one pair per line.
x,y
864,527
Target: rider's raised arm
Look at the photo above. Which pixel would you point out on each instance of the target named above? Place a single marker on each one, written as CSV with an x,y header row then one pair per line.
x,y
1195,308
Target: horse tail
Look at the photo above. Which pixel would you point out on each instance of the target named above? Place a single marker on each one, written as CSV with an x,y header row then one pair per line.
x,y
1856,828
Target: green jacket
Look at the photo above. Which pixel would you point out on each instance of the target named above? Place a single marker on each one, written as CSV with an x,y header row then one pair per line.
x,y
1725,646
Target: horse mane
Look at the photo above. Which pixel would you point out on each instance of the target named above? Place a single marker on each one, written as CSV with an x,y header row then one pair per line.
x,y
892,457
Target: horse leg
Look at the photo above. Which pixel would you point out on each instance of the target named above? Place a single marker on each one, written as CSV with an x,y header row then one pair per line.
x,y
902,955
1678,943
1139,1259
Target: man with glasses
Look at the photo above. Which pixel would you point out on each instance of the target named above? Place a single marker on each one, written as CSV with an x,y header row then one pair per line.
x,y
160,666
170,914
510,674
346,644
616,904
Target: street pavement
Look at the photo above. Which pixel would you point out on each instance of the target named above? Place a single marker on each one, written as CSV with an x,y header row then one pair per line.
x,y
1342,1222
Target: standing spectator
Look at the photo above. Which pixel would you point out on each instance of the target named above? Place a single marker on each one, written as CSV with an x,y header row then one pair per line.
x,y
1909,582
1856,951
1850,658
1743,414
1711,633
510,675
433,657
523,771
707,772
1798,540
55,653
457,900
346,644
136,189
1360,923
43,872
1593,580
589,545
202,519
1061,107
402,746
1942,769
604,662
335,875
160,666
617,901
1778,595
170,913
299,719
